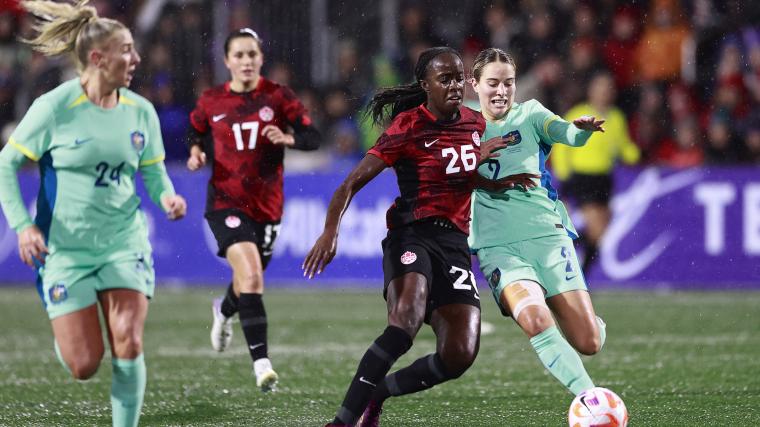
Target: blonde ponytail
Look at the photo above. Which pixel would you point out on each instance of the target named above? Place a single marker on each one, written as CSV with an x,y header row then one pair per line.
x,y
68,28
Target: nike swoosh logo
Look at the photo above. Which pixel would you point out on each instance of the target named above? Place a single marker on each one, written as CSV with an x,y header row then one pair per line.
x,y
81,141
428,144
255,346
570,277
553,361
219,117
361,379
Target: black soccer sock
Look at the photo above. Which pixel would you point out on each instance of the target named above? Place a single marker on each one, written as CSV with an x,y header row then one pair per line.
x,y
230,303
375,363
422,374
253,319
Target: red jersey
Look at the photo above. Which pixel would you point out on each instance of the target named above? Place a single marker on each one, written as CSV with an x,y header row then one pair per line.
x,y
434,162
246,166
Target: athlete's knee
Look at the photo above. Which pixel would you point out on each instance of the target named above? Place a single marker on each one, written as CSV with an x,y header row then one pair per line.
x,y
588,344
407,316
408,313
457,358
127,339
250,281
536,323
528,306
84,365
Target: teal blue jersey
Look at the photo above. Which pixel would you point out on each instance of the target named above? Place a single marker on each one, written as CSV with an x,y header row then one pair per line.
x,y
509,216
88,156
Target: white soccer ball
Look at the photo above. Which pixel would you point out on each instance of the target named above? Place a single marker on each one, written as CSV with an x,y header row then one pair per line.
x,y
597,407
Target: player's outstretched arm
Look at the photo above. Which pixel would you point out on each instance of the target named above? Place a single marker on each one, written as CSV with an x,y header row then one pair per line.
x,y
324,249
589,123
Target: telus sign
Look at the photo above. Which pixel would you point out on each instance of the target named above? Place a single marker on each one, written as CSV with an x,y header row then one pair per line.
x,y
697,228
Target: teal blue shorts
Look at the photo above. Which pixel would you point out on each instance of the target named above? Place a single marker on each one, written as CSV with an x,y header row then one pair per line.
x,y
549,261
69,289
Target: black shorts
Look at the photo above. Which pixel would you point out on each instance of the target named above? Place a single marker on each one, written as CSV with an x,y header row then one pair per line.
x,y
231,226
437,250
585,189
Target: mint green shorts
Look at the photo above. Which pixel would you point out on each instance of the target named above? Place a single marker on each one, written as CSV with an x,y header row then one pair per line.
x,y
69,289
549,261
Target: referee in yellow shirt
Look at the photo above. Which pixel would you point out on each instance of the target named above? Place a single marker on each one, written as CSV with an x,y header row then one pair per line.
x,y
587,171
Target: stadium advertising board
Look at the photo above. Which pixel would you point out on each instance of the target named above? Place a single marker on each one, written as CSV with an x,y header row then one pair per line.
x,y
695,228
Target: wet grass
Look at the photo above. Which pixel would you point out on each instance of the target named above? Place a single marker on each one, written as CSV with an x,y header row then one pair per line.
x,y
679,359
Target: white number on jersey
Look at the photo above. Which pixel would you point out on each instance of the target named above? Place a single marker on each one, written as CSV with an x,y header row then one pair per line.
x,y
469,160
460,282
238,128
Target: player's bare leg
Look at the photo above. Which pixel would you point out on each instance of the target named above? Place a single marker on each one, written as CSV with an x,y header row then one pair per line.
x,y
79,341
406,302
248,283
457,329
576,317
525,302
125,311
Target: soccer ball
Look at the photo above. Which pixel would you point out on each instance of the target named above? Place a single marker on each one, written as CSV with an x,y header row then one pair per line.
x,y
597,407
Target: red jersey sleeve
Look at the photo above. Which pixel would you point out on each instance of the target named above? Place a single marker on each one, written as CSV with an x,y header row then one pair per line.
x,y
295,112
393,142
199,118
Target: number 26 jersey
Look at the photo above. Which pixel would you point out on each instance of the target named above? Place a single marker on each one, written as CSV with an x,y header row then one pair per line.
x,y
434,163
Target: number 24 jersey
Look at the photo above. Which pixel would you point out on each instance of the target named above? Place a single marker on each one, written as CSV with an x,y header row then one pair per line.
x,y
88,157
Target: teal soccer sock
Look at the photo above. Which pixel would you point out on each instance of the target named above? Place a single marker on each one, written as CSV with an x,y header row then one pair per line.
x,y
561,360
602,332
127,390
60,356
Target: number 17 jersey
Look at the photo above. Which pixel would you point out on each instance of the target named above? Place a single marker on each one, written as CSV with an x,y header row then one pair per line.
x,y
247,170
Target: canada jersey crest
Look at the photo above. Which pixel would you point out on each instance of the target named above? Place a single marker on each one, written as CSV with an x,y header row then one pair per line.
x,y
266,114
408,257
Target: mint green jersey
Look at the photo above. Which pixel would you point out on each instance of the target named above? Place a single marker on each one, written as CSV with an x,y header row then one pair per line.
x,y
500,218
88,156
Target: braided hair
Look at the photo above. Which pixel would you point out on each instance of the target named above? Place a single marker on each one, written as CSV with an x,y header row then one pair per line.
x,y
403,97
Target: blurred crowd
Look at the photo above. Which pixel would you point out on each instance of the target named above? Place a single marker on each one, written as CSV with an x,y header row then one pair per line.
x,y
685,74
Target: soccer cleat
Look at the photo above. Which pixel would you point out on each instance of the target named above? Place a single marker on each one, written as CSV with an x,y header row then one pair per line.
x,y
371,415
221,329
266,377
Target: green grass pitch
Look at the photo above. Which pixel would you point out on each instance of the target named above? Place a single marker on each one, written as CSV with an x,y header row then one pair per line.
x,y
676,359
